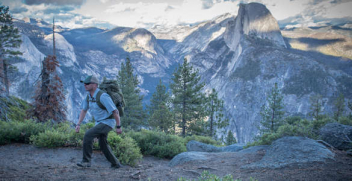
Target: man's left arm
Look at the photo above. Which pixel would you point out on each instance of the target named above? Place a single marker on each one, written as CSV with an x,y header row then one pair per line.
x,y
117,119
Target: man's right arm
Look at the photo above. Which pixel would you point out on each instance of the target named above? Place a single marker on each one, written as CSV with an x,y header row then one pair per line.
x,y
81,117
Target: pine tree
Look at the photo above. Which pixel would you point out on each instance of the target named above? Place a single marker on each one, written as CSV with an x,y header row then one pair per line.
x,y
159,109
214,108
339,107
316,103
272,112
230,139
9,39
188,100
134,114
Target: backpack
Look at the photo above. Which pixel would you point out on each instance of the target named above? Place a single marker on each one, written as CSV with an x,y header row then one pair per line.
x,y
111,87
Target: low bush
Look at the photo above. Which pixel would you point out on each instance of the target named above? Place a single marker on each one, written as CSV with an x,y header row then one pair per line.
x,y
158,144
321,121
50,139
346,120
125,149
203,139
206,176
16,131
301,127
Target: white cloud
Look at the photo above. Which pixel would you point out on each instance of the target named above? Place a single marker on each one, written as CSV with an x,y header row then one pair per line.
x,y
148,14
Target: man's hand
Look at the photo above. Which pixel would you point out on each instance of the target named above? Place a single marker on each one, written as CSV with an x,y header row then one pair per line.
x,y
77,128
118,130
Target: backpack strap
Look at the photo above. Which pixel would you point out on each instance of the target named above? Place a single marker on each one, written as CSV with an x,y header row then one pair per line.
x,y
98,100
101,105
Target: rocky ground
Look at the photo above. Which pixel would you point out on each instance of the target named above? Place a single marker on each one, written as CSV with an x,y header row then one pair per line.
x,y
26,162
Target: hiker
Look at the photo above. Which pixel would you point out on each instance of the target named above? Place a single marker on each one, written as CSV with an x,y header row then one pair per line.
x,y
105,121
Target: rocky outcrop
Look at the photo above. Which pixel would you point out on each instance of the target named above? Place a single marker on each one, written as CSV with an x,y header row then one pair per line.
x,y
256,21
337,135
202,147
185,157
292,150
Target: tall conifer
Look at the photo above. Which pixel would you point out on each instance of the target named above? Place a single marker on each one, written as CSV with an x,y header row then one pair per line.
x,y
339,107
272,113
134,114
188,100
214,108
159,110
316,103
9,39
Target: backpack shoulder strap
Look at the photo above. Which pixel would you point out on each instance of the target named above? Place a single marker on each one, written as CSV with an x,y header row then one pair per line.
x,y
98,100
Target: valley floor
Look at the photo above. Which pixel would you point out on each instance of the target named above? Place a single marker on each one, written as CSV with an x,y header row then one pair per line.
x,y
26,162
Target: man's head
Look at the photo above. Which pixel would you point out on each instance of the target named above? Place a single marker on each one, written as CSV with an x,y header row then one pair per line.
x,y
90,83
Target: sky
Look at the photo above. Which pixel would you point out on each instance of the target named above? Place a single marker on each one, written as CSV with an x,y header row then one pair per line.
x,y
148,13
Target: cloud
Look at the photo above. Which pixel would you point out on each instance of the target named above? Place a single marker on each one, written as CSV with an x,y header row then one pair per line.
x,y
56,10
19,10
149,14
54,2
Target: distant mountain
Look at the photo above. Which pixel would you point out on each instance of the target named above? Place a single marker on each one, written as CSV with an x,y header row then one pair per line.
x,y
241,57
245,62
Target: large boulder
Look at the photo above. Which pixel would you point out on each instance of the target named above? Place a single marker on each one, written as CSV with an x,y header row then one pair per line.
x,y
201,147
337,135
233,148
187,157
292,150
255,149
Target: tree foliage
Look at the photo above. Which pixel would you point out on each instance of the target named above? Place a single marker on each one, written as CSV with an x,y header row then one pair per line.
x,y
316,103
230,139
9,39
272,113
49,99
188,100
134,114
160,113
214,108
339,107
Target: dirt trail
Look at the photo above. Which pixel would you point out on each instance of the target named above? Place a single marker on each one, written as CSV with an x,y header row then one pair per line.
x,y
26,162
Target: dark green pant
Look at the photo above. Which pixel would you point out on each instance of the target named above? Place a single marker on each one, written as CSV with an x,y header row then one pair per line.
x,y
99,131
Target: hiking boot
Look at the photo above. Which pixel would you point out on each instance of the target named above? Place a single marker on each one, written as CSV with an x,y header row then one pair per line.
x,y
84,164
116,166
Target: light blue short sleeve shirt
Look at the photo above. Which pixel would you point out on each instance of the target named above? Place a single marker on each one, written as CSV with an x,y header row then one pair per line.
x,y
100,115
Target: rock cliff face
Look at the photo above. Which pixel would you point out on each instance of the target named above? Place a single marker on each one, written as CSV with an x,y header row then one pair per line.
x,y
246,61
253,20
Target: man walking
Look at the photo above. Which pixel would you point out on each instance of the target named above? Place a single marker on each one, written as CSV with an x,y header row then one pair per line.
x,y
106,120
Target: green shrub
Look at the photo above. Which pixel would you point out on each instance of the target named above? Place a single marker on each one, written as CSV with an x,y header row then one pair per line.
x,y
292,120
126,149
158,144
206,176
203,139
296,128
15,108
346,120
321,121
15,131
50,139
